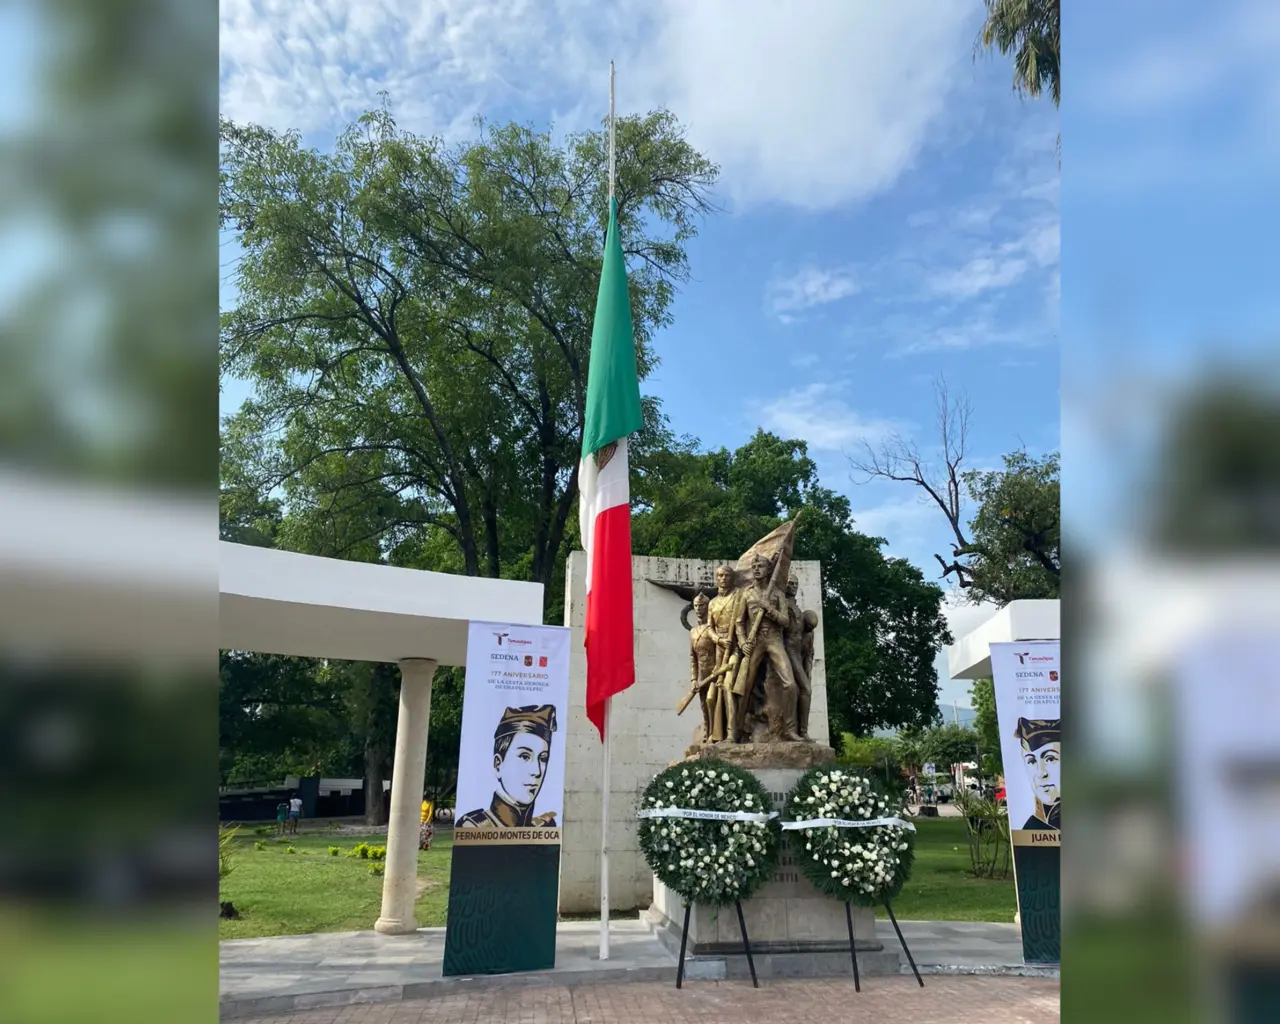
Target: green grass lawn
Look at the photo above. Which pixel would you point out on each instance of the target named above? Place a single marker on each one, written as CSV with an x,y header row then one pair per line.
x,y
942,886
281,893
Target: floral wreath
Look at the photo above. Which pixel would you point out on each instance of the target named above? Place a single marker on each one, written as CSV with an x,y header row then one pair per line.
x,y
839,853
708,832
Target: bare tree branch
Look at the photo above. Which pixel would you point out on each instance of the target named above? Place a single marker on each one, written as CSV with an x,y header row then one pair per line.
x,y
900,459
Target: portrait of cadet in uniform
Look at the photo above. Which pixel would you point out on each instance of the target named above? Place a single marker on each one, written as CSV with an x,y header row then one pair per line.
x,y
1041,741
521,751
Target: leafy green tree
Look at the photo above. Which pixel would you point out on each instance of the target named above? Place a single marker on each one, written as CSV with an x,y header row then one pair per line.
x,y
1014,551
875,754
278,716
444,742
987,726
1031,31
950,744
415,321
1217,472
882,622
910,748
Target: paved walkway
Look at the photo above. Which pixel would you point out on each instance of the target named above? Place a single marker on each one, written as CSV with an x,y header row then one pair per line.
x,y
895,1000
298,972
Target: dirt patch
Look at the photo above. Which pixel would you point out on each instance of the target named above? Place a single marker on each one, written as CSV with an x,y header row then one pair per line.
x,y
424,885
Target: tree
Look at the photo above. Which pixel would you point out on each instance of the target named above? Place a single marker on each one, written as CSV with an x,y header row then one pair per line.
x,y
898,458
278,716
1009,550
879,754
444,742
950,744
1030,30
910,747
882,622
1217,474
1015,548
415,320
987,726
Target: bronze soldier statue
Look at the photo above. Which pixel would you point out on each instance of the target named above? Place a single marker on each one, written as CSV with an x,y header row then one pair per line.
x,y
765,615
794,641
703,653
724,615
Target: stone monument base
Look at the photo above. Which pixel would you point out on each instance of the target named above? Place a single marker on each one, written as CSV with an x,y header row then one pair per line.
x,y
795,931
764,757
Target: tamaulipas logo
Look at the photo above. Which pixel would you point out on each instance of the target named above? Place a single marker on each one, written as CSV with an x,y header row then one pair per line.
x,y
501,637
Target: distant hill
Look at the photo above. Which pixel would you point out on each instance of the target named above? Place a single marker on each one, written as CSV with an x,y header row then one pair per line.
x,y
964,716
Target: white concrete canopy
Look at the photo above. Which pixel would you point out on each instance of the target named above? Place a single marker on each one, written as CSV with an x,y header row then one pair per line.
x,y
970,656
281,602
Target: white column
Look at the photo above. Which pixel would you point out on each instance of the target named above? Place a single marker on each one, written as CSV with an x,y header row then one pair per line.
x,y
399,884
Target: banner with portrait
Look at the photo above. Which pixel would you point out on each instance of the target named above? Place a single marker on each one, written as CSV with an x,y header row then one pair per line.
x,y
505,884
1027,677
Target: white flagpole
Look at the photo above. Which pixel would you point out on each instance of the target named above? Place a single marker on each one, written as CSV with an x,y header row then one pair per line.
x,y
608,731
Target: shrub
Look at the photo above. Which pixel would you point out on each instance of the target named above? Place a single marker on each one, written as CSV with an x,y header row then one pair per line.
x,y
987,830
290,849
260,845
376,869
263,830
334,851
377,853
360,850
226,839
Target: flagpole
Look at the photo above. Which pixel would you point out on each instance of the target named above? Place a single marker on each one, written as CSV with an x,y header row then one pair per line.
x,y
608,731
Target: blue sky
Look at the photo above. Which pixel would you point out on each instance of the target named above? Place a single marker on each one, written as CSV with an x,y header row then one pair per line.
x,y
890,206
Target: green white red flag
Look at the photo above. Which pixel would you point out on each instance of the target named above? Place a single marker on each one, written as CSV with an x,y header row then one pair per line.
x,y
604,506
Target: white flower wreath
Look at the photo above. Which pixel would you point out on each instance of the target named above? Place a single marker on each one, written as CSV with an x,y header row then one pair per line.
x,y
840,853
726,852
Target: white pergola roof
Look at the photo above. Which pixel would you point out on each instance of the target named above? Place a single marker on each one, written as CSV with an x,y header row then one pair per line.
x,y
970,656
280,602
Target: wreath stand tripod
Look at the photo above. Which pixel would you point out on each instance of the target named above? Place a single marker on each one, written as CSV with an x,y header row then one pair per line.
x,y
853,950
746,945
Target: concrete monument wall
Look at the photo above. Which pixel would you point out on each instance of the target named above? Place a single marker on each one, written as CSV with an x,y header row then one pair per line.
x,y
647,734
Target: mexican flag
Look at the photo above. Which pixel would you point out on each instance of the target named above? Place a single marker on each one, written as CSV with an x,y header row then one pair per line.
x,y
604,504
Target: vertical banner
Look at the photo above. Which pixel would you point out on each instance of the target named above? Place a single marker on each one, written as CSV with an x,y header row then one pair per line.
x,y
1027,678
505,887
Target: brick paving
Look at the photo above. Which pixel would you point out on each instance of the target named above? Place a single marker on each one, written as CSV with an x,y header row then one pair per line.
x,y
943,1000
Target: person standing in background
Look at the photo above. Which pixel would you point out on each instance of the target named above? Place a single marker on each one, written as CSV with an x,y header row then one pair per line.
x,y
426,830
295,812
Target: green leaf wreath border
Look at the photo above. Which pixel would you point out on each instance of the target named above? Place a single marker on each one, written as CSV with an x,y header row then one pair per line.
x,y
832,858
713,863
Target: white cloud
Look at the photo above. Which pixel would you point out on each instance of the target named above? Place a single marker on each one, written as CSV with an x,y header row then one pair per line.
x,y
1233,44
817,414
808,287
998,266
906,522
825,103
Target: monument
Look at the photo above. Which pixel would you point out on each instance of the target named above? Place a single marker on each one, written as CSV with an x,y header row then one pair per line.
x,y
751,664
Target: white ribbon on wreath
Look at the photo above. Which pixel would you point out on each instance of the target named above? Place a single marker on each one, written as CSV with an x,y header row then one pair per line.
x,y
682,812
843,823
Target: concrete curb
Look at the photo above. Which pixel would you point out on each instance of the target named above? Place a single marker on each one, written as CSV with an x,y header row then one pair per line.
x,y
989,970
239,1008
